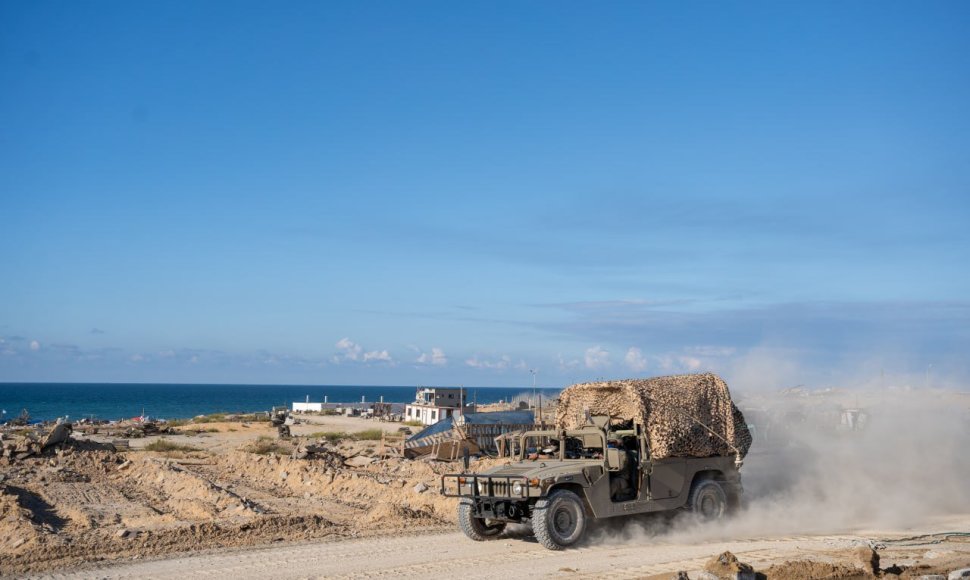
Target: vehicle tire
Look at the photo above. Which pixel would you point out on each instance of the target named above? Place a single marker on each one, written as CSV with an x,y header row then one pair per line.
x,y
559,520
734,498
708,500
476,528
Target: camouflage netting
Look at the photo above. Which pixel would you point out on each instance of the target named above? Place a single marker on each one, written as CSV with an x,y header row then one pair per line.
x,y
669,407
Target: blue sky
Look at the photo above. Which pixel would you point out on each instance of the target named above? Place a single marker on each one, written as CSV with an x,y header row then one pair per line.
x,y
441,193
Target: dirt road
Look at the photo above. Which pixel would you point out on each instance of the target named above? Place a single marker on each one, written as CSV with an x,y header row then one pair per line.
x,y
450,554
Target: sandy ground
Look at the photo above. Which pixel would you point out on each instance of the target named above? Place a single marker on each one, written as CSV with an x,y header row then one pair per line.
x,y
232,484
225,436
450,554
240,503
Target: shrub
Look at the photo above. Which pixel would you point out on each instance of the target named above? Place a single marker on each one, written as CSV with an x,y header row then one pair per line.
x,y
165,446
414,423
213,418
331,436
337,436
264,445
369,435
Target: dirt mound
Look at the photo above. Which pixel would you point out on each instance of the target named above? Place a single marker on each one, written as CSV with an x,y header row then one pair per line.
x,y
727,565
810,570
867,558
18,527
673,409
389,514
182,493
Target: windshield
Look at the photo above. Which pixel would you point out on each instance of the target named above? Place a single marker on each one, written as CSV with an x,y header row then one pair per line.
x,y
563,445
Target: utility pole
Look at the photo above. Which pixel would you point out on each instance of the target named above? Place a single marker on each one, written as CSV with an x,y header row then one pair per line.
x,y
534,373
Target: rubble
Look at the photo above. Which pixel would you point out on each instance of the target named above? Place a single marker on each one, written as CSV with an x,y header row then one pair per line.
x,y
359,461
321,453
20,443
727,565
82,501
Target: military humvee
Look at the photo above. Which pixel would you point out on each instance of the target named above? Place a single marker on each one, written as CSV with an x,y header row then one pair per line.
x,y
564,478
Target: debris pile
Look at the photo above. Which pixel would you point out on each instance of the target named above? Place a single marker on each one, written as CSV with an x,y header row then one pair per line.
x,y
128,429
320,453
19,444
685,415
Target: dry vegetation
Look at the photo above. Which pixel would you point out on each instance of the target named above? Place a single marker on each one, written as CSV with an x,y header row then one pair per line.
x,y
164,445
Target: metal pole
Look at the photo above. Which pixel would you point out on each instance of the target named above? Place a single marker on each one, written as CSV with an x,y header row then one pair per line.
x,y
533,371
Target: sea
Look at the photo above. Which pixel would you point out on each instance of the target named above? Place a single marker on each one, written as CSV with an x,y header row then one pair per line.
x,y
113,401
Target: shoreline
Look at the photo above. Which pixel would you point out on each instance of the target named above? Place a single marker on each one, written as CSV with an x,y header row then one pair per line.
x,y
121,401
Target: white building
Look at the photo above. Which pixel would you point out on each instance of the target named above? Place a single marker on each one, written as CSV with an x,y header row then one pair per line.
x,y
432,404
308,407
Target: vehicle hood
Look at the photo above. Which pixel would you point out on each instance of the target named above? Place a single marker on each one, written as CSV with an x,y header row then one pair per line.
x,y
542,468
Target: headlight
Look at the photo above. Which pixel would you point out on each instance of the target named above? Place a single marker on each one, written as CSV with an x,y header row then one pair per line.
x,y
517,488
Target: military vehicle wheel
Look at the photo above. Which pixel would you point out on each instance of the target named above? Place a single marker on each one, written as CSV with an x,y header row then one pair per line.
x,y
476,528
708,500
559,521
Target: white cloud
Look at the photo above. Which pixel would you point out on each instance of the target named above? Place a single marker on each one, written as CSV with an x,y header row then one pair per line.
x,y
597,358
350,351
635,360
437,357
377,355
568,364
690,363
675,363
136,358
714,351
34,345
501,364
347,350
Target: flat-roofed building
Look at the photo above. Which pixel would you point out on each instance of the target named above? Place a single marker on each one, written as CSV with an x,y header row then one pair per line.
x,y
432,404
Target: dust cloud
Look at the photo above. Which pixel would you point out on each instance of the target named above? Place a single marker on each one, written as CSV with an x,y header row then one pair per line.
x,y
838,461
